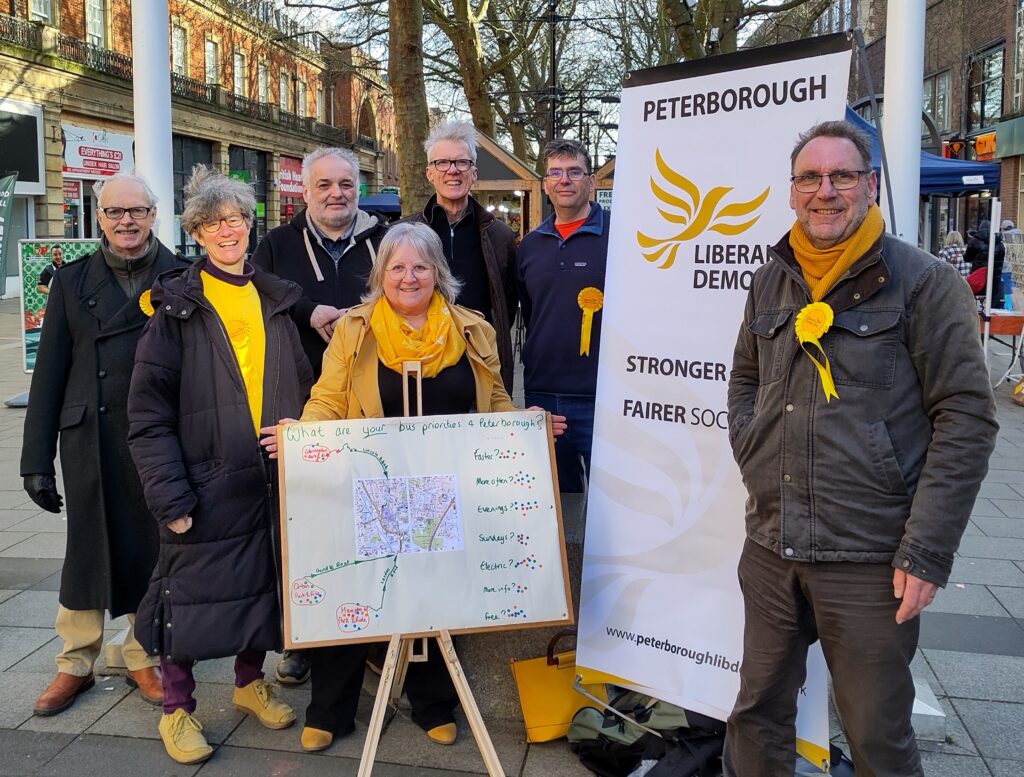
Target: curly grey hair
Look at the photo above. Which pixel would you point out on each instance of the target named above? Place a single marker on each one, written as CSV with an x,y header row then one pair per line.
x,y
457,132
427,245
97,188
209,193
325,151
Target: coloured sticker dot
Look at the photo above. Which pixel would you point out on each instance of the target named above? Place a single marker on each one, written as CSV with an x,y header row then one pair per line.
x,y
521,589
530,562
521,478
523,539
516,613
526,506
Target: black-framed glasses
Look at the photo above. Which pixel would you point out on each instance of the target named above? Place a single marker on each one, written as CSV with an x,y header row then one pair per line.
x,y
234,221
573,174
116,214
444,165
840,180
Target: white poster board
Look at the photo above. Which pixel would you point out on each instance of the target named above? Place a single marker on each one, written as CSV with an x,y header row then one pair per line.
x,y
701,191
412,525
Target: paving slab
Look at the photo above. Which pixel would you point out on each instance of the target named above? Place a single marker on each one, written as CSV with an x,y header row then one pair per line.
x,y
42,660
944,765
1011,598
11,518
1002,476
87,709
17,642
26,752
249,733
43,522
999,527
990,490
102,756
992,547
976,676
18,693
10,538
36,546
1011,508
1002,768
987,572
967,599
26,572
231,761
553,759
995,727
985,507
51,583
30,608
972,634
5,595
957,739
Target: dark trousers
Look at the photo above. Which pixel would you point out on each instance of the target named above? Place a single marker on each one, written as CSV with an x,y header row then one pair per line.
x,y
336,677
572,449
850,607
179,683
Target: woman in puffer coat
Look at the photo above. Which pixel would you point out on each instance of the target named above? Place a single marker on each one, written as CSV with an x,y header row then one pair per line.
x,y
219,358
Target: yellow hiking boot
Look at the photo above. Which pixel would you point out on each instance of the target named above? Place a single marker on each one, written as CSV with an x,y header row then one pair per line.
x,y
255,699
183,738
313,739
445,734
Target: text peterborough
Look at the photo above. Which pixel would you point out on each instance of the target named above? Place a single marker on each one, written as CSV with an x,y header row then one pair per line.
x,y
743,98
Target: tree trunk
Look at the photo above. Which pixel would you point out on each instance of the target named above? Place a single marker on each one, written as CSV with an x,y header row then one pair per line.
x,y
405,75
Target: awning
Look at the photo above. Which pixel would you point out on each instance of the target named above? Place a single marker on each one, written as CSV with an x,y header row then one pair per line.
x,y
384,202
939,176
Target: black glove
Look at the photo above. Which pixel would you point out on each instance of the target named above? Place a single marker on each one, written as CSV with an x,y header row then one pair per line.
x,y
42,489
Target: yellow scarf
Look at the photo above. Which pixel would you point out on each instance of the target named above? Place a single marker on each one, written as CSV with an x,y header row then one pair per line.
x,y
823,267
436,346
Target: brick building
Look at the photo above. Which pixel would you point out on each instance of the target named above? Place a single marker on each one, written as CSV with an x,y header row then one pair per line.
x,y
251,93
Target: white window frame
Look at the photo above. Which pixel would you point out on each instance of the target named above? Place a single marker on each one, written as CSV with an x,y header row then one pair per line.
x,y
320,104
96,22
211,66
238,72
41,11
262,83
1018,65
300,98
282,88
936,85
179,50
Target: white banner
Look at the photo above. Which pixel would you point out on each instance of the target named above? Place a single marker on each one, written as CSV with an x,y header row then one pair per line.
x,y
95,153
701,191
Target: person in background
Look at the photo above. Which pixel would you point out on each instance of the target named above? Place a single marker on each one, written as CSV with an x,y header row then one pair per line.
x,y
976,257
480,249
953,251
56,260
862,420
219,359
1007,227
561,269
327,249
95,312
408,315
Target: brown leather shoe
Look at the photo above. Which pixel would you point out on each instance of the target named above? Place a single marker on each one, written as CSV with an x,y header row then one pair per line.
x,y
147,680
61,693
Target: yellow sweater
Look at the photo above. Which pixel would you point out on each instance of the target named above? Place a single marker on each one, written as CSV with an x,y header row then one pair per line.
x,y
239,310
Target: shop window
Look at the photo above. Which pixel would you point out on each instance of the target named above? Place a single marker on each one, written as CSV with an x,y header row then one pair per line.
x,y
985,91
936,101
179,47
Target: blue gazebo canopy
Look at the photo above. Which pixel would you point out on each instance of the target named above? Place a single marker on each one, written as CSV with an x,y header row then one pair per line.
x,y
939,176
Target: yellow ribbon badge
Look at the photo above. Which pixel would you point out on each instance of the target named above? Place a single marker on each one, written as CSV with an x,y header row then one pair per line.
x,y
811,324
590,300
144,304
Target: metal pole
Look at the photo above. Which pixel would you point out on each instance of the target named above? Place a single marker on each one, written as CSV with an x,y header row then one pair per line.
x,y
554,72
904,73
993,230
151,73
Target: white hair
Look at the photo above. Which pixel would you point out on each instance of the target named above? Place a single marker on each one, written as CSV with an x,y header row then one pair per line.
x,y
457,132
317,154
150,196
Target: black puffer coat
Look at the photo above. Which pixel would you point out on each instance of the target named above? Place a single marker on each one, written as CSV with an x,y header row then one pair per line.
x,y
214,591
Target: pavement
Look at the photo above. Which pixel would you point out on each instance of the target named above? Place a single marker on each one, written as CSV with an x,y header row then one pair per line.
x,y
972,655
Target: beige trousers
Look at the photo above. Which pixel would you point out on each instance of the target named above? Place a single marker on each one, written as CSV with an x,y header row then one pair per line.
x,y
82,632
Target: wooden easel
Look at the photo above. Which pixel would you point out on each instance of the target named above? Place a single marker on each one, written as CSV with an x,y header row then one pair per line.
x,y
401,650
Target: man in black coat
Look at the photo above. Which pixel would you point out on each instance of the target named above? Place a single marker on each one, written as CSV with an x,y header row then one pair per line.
x,y
94,316
328,249
480,249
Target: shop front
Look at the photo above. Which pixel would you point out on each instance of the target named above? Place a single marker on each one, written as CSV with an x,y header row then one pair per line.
x,y
187,153
250,165
89,154
21,152
290,188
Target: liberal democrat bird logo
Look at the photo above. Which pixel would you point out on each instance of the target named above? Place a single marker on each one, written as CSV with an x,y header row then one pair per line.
x,y
695,214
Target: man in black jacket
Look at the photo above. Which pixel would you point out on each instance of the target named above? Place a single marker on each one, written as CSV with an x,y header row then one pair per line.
x,y
327,249
94,316
480,249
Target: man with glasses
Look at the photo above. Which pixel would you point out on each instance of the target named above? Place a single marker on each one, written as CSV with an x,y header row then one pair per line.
x,y
862,420
480,249
94,315
561,271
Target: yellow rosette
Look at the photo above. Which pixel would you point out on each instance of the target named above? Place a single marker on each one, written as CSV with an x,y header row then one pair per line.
x,y
811,324
590,300
144,303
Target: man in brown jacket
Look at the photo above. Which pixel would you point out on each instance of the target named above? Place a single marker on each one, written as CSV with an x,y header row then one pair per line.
x,y
480,249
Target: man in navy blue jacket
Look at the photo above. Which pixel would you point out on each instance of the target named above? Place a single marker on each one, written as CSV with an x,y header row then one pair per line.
x,y
560,273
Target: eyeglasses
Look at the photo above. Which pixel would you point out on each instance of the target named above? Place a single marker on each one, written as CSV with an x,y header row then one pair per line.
x,y
116,214
573,174
840,180
234,221
443,165
399,271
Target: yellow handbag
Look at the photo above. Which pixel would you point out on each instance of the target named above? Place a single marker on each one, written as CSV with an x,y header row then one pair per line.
x,y
546,695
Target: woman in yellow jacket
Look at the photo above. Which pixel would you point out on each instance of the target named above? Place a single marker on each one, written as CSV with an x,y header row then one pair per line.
x,y
407,315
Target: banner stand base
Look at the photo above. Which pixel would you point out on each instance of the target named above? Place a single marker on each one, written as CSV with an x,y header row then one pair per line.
x,y
18,400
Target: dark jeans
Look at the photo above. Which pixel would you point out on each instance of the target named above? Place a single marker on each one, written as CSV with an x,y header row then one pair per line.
x,y
336,677
179,684
850,607
572,449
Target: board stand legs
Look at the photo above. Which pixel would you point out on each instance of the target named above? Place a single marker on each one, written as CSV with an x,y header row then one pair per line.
x,y
399,653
